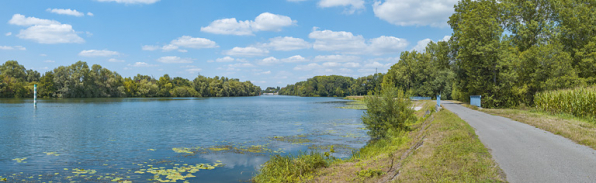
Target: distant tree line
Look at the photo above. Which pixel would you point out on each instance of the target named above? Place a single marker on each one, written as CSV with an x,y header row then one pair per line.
x,y
271,90
80,81
334,86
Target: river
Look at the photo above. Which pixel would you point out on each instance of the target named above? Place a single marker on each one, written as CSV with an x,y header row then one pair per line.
x,y
153,139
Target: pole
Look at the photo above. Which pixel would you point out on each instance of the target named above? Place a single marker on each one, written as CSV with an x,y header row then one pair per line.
x,y
35,95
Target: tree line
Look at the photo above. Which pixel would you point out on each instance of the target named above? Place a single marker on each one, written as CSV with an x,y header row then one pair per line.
x,y
333,86
506,51
80,81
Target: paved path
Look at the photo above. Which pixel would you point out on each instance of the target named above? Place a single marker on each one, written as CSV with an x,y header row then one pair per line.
x,y
529,154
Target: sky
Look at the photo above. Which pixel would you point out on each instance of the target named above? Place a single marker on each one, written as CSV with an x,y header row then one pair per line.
x,y
268,42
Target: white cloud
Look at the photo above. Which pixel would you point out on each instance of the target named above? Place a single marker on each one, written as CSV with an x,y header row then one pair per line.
x,y
8,34
13,48
66,12
49,61
174,59
89,14
348,43
98,53
182,51
45,31
354,4
89,34
433,13
295,58
326,65
247,51
131,1
421,46
114,60
264,22
387,44
184,42
141,64
268,61
327,40
194,70
336,58
446,38
287,44
240,65
18,19
225,59
266,72
150,47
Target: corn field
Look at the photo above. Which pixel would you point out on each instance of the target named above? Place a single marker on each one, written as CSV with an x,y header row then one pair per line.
x,y
580,102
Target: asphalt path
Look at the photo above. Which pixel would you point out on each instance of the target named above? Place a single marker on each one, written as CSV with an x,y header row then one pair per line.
x,y
528,154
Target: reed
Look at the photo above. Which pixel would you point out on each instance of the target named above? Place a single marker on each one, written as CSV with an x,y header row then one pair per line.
x,y
580,102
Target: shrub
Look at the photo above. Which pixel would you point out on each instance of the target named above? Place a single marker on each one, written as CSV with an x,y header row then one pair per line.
x,y
292,168
387,110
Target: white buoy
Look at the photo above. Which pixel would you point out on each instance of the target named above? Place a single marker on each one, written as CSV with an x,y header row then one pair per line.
x,y
35,95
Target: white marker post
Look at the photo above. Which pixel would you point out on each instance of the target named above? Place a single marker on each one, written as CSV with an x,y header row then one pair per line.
x,y
35,95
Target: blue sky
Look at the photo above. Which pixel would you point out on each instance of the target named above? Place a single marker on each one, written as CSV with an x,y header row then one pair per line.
x,y
269,42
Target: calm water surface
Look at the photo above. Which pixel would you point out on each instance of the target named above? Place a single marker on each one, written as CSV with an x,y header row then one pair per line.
x,y
101,140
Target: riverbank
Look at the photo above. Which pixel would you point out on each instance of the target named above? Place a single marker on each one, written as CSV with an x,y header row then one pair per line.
x,y
440,147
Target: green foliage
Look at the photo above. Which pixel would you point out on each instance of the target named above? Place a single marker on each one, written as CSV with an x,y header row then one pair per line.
x,y
333,86
370,173
389,110
580,102
425,73
80,81
292,168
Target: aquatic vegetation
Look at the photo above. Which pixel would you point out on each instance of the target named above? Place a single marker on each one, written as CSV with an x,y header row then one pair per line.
x,y
20,160
51,153
296,139
176,173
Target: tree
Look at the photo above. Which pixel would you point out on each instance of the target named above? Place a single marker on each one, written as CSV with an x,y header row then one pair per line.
x,y
387,110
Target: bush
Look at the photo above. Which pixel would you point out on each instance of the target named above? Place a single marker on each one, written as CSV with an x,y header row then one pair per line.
x,y
580,102
387,110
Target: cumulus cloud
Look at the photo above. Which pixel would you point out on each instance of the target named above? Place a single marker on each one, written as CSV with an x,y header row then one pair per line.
x,y
336,58
387,44
295,58
115,60
268,61
89,14
287,44
98,53
49,61
141,64
348,43
131,1
13,48
193,69
421,46
327,40
66,12
264,22
225,59
353,5
434,13
184,42
326,65
45,31
174,59
247,51
8,34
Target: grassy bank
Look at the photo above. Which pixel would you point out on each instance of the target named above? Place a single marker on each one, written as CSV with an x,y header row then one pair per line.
x,y
439,147
579,130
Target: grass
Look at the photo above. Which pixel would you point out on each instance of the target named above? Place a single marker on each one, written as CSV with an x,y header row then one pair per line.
x,y
292,168
579,130
451,152
440,148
